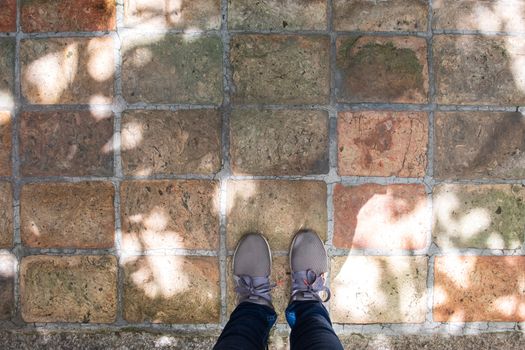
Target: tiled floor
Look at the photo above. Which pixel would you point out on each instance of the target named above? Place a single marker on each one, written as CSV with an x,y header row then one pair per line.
x,y
140,139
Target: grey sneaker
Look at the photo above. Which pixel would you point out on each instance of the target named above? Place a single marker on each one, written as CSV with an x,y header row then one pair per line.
x,y
252,266
309,264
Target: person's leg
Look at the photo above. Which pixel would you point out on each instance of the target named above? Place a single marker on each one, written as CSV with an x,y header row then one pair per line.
x,y
306,314
311,327
250,323
248,327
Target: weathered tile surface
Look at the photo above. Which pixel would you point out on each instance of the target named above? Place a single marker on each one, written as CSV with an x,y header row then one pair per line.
x,y
381,217
378,289
6,215
280,294
382,143
382,69
277,209
171,289
381,16
491,15
479,145
79,289
7,72
8,16
165,142
67,15
479,216
67,70
279,142
7,282
172,69
277,15
67,143
184,14
5,143
280,69
479,288
67,215
170,214
473,69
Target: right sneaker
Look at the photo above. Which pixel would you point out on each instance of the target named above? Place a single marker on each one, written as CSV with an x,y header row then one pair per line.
x,y
309,264
252,266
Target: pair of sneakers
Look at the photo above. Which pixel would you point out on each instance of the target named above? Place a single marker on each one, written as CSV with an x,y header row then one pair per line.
x,y
252,265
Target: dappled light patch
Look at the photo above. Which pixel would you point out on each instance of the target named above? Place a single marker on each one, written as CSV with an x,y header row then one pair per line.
x,y
479,288
169,214
172,14
479,216
7,73
67,70
8,265
381,217
131,135
378,289
171,289
51,74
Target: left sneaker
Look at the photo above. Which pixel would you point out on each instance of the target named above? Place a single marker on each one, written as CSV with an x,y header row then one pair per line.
x,y
252,266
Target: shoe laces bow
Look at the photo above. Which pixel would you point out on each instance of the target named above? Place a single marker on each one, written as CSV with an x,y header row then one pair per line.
x,y
310,284
249,287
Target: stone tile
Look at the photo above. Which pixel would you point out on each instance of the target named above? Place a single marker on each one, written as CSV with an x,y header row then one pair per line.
x,y
493,16
170,214
277,15
7,282
67,15
165,142
473,69
171,289
6,215
479,216
479,289
8,16
81,289
382,143
280,69
67,70
381,16
7,72
5,143
381,217
65,143
379,289
281,276
277,209
172,69
382,69
161,14
474,145
67,215
279,142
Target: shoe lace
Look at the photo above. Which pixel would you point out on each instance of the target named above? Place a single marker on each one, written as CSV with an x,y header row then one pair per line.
x,y
310,284
253,287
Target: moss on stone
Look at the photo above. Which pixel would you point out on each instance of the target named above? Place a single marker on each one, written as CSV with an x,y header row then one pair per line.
x,y
395,60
